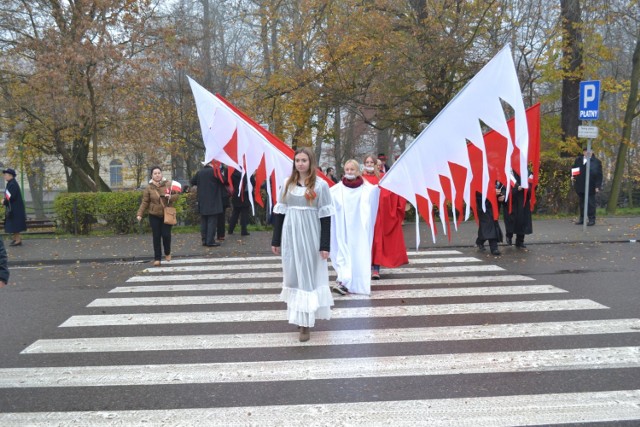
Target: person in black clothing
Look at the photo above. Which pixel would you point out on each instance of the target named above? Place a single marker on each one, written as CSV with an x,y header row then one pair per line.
x,y
517,213
595,183
488,227
4,268
15,220
240,202
210,187
331,174
226,204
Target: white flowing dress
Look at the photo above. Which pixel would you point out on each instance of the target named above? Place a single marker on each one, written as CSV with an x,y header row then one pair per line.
x,y
305,287
352,234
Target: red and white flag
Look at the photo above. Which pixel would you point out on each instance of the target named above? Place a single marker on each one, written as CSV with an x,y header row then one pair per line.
x,y
575,171
233,138
176,187
7,194
437,166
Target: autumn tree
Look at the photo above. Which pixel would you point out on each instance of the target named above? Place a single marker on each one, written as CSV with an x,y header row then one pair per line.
x,y
69,73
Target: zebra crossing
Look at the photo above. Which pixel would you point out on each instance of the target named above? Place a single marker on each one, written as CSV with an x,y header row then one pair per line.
x,y
447,340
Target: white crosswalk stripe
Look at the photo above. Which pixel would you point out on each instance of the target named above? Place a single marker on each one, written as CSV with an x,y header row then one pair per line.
x,y
457,287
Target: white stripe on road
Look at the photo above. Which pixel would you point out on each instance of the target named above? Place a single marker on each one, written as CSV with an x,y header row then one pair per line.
x,y
387,294
495,411
254,266
394,272
277,258
222,260
278,284
341,337
336,313
320,369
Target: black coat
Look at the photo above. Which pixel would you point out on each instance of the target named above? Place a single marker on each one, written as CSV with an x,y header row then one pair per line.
x,y
488,227
518,221
242,200
210,190
595,176
15,219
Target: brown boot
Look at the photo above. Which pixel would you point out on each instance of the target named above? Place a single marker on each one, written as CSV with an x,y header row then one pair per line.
x,y
167,257
156,263
305,334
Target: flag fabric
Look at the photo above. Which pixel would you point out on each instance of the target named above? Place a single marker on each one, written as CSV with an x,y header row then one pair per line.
x,y
437,167
575,171
233,138
176,187
7,194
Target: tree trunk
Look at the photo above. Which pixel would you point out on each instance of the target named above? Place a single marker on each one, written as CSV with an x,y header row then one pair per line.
x,y
337,140
625,140
35,176
572,73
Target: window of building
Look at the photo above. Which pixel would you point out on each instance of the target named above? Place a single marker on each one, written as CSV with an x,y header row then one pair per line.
x,y
115,173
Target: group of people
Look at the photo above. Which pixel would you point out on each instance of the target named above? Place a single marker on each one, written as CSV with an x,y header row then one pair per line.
x,y
214,194
516,211
355,223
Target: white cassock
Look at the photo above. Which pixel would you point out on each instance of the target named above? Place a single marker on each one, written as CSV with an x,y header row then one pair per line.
x,y
352,234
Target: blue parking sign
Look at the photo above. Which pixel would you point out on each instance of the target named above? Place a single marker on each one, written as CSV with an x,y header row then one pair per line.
x,y
589,99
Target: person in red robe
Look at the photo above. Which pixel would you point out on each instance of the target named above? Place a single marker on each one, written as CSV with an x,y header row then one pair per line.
x,y
389,249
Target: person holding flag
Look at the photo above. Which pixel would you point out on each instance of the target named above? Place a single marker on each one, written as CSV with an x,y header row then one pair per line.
x,y
517,211
155,198
579,177
15,220
209,183
389,249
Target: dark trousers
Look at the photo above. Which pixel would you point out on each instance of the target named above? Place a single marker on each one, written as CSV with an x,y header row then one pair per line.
x,y
220,224
208,225
591,206
160,232
493,243
243,213
519,237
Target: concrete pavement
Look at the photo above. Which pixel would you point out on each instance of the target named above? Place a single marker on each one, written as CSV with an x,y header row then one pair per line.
x,y
136,247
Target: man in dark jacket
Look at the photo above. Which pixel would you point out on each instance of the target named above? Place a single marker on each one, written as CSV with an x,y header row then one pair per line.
x,y
579,176
15,213
517,211
488,227
210,188
240,202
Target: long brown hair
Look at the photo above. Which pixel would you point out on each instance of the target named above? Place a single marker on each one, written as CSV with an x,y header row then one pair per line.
x,y
310,181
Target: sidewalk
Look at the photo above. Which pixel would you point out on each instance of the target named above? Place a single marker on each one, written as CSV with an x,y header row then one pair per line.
x,y
128,248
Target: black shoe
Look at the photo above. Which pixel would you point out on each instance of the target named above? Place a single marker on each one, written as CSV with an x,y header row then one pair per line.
x,y
510,241
246,233
14,243
591,222
230,231
339,289
495,252
521,245
481,247
579,222
214,244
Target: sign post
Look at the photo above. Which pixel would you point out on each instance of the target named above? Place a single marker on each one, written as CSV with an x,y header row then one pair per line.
x,y
589,110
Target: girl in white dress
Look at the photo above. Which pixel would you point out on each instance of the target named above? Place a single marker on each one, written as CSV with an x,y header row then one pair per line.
x,y
301,233
356,204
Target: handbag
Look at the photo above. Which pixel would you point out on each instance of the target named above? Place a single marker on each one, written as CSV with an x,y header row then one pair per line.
x,y
170,215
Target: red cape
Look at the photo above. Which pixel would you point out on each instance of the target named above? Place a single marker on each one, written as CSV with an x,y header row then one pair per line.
x,y
389,249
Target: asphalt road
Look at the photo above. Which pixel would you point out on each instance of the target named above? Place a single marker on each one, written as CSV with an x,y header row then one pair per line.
x,y
546,336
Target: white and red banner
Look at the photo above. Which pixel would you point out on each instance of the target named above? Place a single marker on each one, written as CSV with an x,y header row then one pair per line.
x,y
449,161
233,138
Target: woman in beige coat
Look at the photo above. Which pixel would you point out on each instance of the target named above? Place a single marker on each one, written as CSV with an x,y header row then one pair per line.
x,y
156,196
